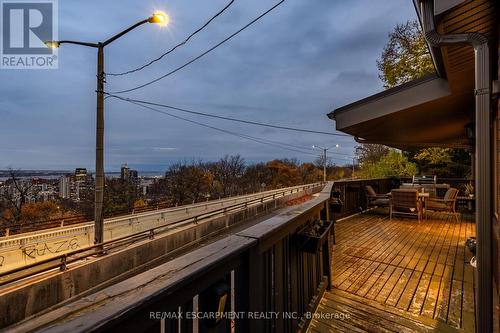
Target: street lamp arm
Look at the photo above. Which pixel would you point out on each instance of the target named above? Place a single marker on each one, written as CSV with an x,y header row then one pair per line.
x,y
118,35
76,42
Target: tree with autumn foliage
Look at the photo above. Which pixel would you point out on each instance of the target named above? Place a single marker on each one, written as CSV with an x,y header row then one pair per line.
x,y
393,164
119,196
284,173
442,162
370,153
140,205
33,212
405,56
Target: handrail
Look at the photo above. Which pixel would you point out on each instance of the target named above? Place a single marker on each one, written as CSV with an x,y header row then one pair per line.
x,y
64,259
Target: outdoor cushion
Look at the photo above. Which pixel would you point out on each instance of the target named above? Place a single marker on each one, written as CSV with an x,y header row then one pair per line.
x,y
451,194
380,202
371,191
436,205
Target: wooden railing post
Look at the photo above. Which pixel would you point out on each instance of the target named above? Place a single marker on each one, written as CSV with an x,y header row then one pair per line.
x,y
242,295
211,300
256,288
327,262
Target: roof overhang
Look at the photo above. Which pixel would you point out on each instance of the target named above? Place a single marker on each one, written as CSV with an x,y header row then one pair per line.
x,y
421,113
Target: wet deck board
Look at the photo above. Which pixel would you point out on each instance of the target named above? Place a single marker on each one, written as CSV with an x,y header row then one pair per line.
x,y
400,276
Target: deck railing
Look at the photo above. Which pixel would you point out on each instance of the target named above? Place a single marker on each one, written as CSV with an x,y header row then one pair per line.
x,y
353,195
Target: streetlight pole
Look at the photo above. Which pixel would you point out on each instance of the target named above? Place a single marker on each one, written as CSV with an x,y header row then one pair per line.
x,y
324,164
99,150
353,161
157,18
324,158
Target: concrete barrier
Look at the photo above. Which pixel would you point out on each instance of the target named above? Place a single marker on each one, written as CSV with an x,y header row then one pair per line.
x,y
20,250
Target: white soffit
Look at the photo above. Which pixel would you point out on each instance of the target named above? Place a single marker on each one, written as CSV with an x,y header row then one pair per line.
x,y
440,6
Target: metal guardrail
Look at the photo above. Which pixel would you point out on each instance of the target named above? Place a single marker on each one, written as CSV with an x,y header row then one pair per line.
x,y
63,260
81,220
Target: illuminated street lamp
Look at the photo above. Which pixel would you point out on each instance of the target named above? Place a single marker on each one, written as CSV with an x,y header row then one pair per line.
x,y
159,18
324,157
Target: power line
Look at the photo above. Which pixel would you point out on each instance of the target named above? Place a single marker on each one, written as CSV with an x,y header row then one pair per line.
x,y
244,136
201,55
176,46
226,118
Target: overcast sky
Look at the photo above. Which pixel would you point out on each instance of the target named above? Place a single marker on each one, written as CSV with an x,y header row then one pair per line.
x,y
298,63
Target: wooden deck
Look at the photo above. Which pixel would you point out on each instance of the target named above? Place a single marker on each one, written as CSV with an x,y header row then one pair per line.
x,y
399,276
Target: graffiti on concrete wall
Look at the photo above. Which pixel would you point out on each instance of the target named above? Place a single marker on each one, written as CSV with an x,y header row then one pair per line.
x,y
41,249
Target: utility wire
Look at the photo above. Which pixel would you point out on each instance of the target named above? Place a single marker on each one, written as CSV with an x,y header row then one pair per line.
x,y
224,117
244,136
176,46
201,55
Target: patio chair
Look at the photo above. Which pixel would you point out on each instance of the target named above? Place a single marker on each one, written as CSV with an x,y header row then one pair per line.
x,y
376,200
406,202
445,205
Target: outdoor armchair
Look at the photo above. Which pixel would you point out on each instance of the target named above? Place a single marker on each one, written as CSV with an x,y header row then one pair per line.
x,y
445,205
406,202
376,200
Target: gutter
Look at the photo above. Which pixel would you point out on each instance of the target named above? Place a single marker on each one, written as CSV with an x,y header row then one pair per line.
x,y
483,157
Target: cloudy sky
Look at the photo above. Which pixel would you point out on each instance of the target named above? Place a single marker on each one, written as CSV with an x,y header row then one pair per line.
x,y
295,65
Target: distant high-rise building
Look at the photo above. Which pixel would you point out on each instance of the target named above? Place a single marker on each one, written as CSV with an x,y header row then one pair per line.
x,y
81,174
128,175
64,187
80,182
125,172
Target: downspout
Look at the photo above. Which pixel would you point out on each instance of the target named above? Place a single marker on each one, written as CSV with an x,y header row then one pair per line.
x,y
483,158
